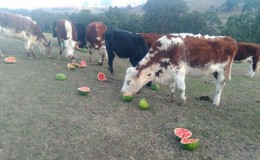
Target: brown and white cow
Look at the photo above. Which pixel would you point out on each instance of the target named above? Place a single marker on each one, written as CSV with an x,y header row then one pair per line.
x,y
66,33
248,52
174,56
25,29
95,40
150,38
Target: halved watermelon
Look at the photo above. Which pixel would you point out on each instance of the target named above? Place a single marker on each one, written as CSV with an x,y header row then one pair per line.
x,y
83,64
189,144
84,91
101,76
70,66
181,133
10,60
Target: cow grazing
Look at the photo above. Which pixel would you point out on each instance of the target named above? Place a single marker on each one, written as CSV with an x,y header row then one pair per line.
x,y
124,44
174,56
25,29
66,33
150,38
95,40
81,31
248,52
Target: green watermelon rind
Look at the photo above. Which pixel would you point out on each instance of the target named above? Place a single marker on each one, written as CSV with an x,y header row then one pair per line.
x,y
127,98
61,77
190,146
180,138
154,86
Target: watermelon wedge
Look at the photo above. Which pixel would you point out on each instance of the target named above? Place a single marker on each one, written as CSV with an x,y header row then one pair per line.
x,y
181,133
10,60
101,76
189,144
84,91
83,64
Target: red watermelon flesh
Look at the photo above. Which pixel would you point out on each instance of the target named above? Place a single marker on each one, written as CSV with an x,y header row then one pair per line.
x,y
10,60
181,133
101,76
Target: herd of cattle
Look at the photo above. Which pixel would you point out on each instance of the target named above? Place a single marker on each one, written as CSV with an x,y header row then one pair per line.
x,y
154,57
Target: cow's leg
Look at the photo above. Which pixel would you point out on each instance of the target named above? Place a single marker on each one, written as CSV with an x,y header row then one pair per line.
x,y
27,46
219,80
172,88
180,81
250,69
254,66
111,58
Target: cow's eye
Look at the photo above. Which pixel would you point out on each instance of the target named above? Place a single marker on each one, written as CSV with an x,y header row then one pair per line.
x,y
149,74
128,82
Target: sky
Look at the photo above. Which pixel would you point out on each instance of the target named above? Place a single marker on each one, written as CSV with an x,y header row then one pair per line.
x,y
32,4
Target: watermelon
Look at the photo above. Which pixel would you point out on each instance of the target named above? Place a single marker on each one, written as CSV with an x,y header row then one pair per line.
x,y
83,64
155,86
189,144
70,66
143,104
84,91
101,76
75,64
10,60
60,77
181,133
127,98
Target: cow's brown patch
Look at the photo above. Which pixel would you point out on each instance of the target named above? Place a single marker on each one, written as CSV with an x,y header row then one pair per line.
x,y
94,30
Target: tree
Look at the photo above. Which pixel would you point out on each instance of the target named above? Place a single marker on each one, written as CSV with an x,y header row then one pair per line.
x,y
164,16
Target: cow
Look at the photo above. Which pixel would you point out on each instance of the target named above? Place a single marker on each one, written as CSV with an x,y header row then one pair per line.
x,y
248,52
81,31
124,44
95,40
66,33
150,38
25,29
174,56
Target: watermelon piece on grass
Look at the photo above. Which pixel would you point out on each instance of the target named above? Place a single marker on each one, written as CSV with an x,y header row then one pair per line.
x,y
101,76
84,91
181,133
10,60
189,144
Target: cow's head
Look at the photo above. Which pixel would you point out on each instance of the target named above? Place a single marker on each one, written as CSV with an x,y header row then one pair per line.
x,y
45,48
69,48
135,80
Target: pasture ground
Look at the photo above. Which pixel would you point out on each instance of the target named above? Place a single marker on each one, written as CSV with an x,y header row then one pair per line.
x,y
42,118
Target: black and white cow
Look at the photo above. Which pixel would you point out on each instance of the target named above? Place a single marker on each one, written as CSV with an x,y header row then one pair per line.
x,y
174,56
25,29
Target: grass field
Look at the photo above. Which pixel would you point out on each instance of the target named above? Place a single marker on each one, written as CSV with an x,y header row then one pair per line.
x,y
42,118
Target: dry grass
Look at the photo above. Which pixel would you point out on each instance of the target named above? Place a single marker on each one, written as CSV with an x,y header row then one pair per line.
x,y
41,118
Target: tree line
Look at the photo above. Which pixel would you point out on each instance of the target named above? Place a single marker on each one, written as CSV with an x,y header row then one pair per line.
x,y
164,16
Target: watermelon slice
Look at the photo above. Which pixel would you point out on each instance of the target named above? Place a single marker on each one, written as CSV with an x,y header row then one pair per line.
x,y
84,91
83,64
181,133
10,60
189,144
101,76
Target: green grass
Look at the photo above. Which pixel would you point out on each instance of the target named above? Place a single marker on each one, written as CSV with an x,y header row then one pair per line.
x,y
42,118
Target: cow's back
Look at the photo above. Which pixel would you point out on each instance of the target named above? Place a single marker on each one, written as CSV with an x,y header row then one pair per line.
x,y
246,50
125,44
150,38
18,24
